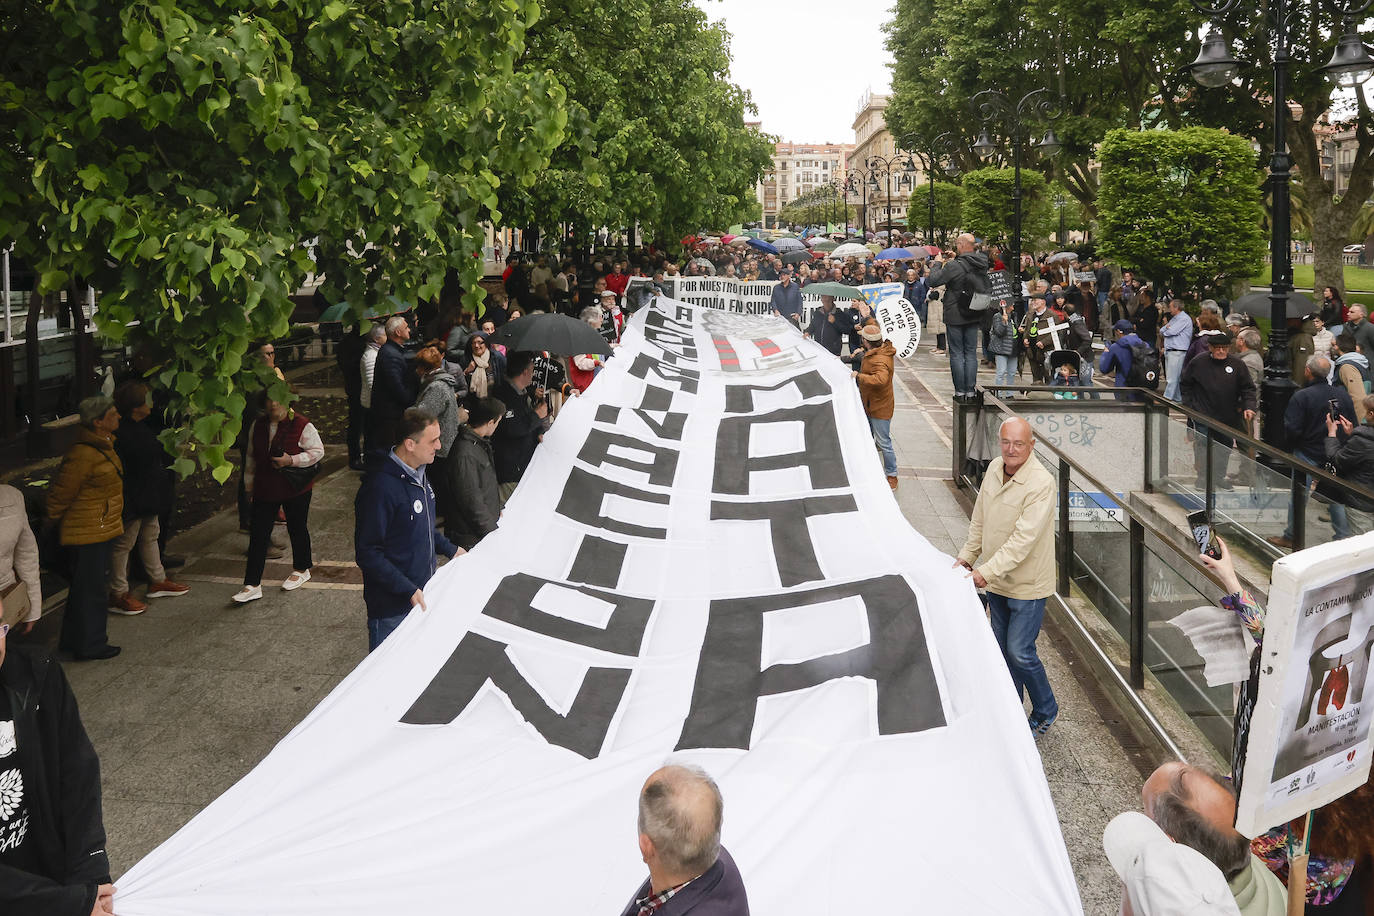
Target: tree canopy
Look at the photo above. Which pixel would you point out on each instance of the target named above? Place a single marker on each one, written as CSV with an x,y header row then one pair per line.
x,y
949,202
656,131
1181,206
987,207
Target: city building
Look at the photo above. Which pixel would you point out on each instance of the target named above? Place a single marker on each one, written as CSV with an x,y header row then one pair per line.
x,y
797,169
873,141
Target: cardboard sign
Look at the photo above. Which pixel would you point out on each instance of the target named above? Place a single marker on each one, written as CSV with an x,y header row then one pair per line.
x,y
1309,740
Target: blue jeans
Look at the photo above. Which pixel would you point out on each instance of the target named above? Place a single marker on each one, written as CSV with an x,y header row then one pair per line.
x,y
1340,521
379,628
963,356
1006,372
882,434
1173,372
1016,624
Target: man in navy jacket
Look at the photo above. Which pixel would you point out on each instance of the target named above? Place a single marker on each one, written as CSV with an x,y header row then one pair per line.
x,y
395,538
680,813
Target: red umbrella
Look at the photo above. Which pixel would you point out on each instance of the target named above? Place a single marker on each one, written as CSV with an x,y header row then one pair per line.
x,y
933,249
726,239
690,240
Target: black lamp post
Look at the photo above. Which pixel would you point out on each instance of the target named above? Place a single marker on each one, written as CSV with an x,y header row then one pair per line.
x,y
991,105
936,151
884,167
1215,67
862,177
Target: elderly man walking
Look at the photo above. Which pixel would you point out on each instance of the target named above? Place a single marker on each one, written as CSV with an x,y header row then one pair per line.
x,y
680,814
1178,334
1008,537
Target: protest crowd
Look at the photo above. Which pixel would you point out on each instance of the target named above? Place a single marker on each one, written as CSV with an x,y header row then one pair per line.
x,y
447,410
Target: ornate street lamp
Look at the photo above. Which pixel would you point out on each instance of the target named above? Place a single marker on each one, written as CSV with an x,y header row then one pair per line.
x,y
1215,67
879,166
992,106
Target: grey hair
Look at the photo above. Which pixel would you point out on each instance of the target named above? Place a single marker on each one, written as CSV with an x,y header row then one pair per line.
x,y
1210,305
393,324
684,841
1228,850
93,408
377,332
1236,318
1356,307
592,311
1251,338
1319,366
1011,419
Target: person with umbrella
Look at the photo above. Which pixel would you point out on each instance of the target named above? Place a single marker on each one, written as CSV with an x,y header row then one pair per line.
x,y
526,419
786,301
827,326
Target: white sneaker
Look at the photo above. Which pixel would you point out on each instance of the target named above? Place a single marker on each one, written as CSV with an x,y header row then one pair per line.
x,y
248,593
294,581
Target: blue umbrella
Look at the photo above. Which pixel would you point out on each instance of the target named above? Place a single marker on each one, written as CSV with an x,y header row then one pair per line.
x,y
763,246
894,254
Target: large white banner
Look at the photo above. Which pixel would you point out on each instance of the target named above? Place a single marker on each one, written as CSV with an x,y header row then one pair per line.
x,y
704,562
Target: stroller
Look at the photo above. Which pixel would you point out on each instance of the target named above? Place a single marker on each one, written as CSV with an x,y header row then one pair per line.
x,y
1062,369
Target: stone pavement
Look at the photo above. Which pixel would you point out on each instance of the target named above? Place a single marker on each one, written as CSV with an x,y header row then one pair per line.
x,y
205,688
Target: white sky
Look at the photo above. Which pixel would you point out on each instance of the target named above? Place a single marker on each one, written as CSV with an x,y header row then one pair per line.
x,y
806,62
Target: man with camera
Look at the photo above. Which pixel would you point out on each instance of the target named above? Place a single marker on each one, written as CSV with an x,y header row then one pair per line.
x,y
1305,424
962,277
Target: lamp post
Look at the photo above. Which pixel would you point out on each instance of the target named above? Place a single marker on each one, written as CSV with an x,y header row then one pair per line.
x,y
941,147
1215,67
884,166
991,105
862,177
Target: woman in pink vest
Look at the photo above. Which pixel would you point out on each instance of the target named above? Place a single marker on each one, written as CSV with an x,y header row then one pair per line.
x,y
279,441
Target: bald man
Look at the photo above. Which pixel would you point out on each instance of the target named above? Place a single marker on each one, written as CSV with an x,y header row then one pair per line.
x,y
1198,809
1010,539
680,813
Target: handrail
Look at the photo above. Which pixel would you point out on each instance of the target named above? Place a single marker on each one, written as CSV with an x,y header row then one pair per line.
x,y
1132,514
1158,401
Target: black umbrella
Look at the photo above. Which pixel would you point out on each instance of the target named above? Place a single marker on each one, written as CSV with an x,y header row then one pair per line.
x,y
1257,303
556,334
796,257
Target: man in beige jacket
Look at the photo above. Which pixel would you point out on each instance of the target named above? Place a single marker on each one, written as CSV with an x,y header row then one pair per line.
x,y
1010,534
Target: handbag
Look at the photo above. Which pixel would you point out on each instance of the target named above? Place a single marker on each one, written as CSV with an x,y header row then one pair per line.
x,y
300,477
15,598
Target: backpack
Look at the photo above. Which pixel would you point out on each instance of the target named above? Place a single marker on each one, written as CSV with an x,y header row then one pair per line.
x,y
1144,371
973,297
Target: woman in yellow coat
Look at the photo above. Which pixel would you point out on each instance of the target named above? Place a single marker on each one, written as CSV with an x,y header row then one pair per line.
x,y
87,500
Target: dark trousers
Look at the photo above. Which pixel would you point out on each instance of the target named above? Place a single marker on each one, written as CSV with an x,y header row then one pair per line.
x,y
83,622
262,518
357,420
243,501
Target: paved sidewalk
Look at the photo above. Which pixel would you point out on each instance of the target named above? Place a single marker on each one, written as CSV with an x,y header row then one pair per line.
x,y
205,688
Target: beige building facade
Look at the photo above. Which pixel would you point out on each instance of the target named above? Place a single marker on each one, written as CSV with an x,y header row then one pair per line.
x,y
873,141
797,169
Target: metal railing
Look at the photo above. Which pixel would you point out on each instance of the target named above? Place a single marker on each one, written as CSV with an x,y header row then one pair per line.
x,y
1147,535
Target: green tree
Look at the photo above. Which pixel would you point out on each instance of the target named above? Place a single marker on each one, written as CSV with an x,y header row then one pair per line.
x,y
1182,206
186,159
949,202
817,207
656,131
987,207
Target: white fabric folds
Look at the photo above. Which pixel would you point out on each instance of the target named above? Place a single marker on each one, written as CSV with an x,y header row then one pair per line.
x,y
705,563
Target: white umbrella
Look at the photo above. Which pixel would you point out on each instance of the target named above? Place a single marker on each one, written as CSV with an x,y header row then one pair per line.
x,y
851,250
789,244
1062,256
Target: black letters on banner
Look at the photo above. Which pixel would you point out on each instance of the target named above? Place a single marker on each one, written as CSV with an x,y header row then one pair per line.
x,y
685,379
479,659
674,344
584,493
654,400
598,561
820,453
513,602
793,551
729,682
661,466
740,398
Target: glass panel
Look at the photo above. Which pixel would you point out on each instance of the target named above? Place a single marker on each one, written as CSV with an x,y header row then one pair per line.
x,y
1171,588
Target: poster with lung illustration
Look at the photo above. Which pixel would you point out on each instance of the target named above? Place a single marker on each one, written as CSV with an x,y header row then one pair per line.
x,y
1310,736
